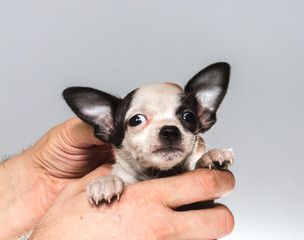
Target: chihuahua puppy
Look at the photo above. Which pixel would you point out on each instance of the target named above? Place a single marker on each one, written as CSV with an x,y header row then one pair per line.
x,y
155,130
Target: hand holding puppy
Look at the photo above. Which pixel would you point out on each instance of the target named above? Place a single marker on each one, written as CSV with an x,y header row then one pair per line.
x,y
146,208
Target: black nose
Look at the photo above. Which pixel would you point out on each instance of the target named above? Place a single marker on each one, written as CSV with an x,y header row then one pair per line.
x,y
170,133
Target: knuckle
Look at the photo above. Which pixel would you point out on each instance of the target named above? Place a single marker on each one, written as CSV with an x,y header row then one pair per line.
x,y
203,220
225,220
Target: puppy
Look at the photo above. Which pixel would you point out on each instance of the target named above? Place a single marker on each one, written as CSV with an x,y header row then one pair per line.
x,y
155,130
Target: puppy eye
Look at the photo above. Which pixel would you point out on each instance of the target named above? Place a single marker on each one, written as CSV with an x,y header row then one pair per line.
x,y
136,120
189,117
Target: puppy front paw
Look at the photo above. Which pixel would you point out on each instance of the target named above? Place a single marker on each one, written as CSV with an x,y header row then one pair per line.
x,y
104,188
216,159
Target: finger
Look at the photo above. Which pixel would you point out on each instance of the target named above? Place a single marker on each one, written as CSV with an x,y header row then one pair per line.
x,y
77,186
211,223
80,134
194,186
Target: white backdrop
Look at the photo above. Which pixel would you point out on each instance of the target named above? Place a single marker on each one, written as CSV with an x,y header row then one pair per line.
x,y
117,46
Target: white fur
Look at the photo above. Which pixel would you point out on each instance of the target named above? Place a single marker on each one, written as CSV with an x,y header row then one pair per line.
x,y
158,103
122,169
99,111
207,98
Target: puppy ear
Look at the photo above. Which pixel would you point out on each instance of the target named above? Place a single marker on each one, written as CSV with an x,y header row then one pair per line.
x,y
209,88
94,107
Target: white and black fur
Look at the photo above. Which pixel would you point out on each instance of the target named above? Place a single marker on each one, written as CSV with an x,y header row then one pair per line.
x,y
154,129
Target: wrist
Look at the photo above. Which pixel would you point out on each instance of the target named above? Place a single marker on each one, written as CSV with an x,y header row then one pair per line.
x,y
20,204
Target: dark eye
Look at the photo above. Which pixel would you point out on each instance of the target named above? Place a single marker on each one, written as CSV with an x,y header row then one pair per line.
x,y
189,117
136,120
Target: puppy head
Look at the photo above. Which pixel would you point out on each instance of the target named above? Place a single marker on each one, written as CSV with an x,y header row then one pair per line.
x,y
156,125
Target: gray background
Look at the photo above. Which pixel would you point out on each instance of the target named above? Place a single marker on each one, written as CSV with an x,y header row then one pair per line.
x,y
116,46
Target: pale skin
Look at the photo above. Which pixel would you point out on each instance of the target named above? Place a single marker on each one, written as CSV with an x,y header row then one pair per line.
x,y
44,189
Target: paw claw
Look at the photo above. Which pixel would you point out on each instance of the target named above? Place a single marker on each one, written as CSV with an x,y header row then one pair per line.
x,y
104,188
216,158
230,162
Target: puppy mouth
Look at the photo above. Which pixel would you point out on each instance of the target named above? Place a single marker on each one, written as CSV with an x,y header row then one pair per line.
x,y
168,150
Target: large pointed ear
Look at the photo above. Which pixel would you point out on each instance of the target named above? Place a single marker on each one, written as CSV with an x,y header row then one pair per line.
x,y
209,88
94,107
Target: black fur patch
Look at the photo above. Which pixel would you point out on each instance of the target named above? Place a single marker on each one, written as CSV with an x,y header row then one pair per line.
x,y
188,103
153,173
120,124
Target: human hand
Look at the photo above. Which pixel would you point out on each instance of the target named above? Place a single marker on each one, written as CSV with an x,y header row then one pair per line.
x,y
31,180
68,152
146,210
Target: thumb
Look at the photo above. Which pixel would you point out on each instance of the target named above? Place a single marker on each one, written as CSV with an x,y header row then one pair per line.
x,y
79,133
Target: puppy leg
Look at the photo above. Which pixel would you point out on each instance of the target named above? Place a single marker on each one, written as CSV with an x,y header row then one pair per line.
x,y
216,159
104,188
